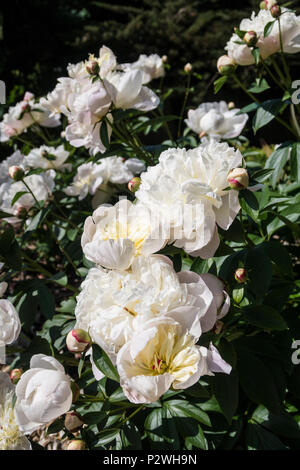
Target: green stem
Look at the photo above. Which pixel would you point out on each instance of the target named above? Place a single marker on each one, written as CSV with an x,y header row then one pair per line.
x,y
186,95
272,75
32,194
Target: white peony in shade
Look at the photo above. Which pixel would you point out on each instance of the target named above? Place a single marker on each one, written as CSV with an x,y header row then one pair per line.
x,y
114,236
216,121
290,28
164,354
11,437
114,304
151,67
10,325
43,393
187,189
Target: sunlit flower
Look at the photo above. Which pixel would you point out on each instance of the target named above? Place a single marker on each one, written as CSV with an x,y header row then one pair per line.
x,y
48,157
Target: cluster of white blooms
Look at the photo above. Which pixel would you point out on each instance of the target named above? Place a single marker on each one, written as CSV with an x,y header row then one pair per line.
x,y
48,157
216,120
93,178
240,52
23,115
11,437
147,317
90,91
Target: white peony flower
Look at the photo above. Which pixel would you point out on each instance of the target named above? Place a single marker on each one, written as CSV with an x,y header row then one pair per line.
x,y
10,325
220,304
43,393
163,354
11,438
41,185
114,304
126,91
290,28
216,120
87,180
187,189
48,157
151,67
114,236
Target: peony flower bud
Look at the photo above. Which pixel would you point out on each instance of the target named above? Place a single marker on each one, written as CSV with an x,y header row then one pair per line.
x,y
93,68
15,375
250,38
28,96
269,4
75,391
16,173
164,59
21,212
78,340
241,275
73,421
225,64
188,68
238,178
76,444
231,105
263,5
134,184
275,11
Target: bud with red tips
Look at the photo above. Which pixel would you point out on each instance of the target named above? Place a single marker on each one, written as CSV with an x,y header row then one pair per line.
x,y
73,421
78,341
238,179
76,444
15,375
241,275
134,184
93,68
16,173
250,38
275,11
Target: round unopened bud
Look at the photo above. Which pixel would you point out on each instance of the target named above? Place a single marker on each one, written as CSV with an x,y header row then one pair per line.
x,y
73,421
28,96
270,3
21,212
241,275
78,340
275,11
250,38
164,59
225,64
238,178
188,68
76,444
93,68
263,5
15,375
75,391
16,173
231,105
134,184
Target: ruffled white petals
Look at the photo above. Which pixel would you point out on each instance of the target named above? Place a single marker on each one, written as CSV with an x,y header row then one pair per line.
x,y
48,157
10,325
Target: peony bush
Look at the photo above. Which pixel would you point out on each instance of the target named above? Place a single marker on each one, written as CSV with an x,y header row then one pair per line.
x,y
151,297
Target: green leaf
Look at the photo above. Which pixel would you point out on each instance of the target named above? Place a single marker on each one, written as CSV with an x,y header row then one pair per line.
x,y
264,317
197,441
56,426
249,203
256,54
258,438
38,219
295,161
104,364
266,113
183,409
219,83
226,391
46,301
277,161
104,134
154,123
259,86
268,28
106,436
93,417
262,175
238,294
17,196
281,424
60,278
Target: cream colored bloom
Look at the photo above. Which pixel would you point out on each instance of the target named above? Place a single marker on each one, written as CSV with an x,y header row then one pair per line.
x,y
48,157
290,28
43,393
216,121
114,304
151,67
11,438
10,325
114,236
187,189
162,355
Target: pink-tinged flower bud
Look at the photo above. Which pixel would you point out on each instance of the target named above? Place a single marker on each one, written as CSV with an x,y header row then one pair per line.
x,y
16,173
21,212
275,11
188,68
78,341
250,38
73,421
218,327
225,64
270,4
75,391
76,444
28,96
238,178
164,59
93,68
134,184
15,375
241,275
231,105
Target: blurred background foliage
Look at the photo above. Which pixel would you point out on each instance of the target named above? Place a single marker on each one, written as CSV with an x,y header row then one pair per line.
x,y
38,39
